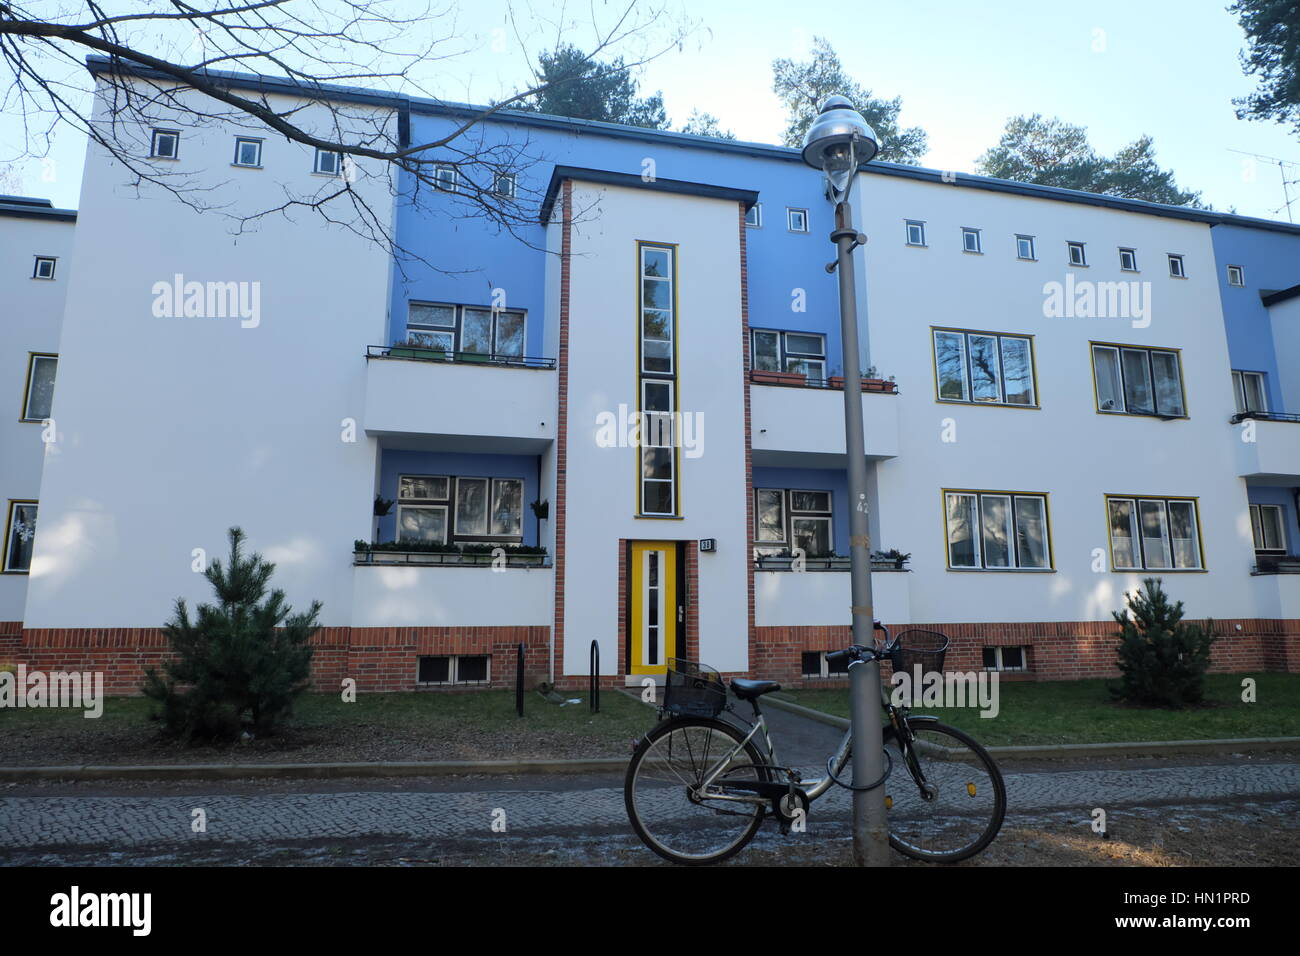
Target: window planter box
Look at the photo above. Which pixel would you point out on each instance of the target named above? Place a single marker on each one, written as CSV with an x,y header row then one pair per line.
x,y
868,384
445,558
417,352
778,378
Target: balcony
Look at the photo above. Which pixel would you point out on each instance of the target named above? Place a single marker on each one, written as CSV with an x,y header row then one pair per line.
x,y
793,599
415,595
799,423
461,401
1268,445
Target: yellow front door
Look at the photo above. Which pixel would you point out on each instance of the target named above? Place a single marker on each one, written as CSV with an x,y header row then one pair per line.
x,y
653,624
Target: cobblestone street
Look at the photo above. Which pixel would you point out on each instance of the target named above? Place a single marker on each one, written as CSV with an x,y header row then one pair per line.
x,y
580,819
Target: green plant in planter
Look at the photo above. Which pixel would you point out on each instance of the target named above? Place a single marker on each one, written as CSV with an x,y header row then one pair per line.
x,y
412,348
899,558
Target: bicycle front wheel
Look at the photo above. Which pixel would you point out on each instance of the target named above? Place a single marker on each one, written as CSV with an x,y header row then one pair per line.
x,y
690,790
946,796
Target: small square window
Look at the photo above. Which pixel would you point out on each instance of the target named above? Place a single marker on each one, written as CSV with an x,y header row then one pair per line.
x,y
504,185
1236,276
38,399
20,537
796,220
915,233
1176,267
434,670
44,267
1004,658
754,216
1025,248
1077,257
165,144
248,152
970,240
472,669
329,162
1128,260
446,178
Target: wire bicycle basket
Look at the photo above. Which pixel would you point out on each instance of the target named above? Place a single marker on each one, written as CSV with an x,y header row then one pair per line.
x,y
693,689
926,648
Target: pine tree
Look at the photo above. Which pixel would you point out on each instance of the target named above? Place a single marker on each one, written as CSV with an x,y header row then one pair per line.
x,y
1162,658
243,660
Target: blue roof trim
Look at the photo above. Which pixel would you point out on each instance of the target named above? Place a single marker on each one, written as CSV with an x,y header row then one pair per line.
x,y
1273,298
27,207
632,181
403,102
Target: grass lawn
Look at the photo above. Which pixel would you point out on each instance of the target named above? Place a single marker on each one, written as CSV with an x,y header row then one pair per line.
x,y
1080,712
475,725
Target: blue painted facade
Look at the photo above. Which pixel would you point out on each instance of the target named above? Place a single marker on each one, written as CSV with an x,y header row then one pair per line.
x,y
1271,261
394,463
473,256
815,479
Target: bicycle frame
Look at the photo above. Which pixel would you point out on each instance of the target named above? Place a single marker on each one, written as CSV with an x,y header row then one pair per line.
x,y
817,786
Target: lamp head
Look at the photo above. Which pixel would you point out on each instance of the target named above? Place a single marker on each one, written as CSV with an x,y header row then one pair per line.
x,y
839,142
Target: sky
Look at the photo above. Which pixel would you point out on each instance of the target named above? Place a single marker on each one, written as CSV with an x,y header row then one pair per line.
x,y
1122,68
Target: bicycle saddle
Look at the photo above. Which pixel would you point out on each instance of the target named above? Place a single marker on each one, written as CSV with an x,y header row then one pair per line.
x,y
751,689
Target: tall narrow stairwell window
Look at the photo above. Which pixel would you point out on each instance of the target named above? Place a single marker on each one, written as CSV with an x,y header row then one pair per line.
x,y
657,378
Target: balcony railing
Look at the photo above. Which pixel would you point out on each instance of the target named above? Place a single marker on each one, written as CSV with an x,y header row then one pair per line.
x,y
422,354
365,555
1282,564
1264,417
835,562
799,380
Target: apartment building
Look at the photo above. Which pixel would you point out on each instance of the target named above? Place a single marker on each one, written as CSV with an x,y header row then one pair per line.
x,y
623,426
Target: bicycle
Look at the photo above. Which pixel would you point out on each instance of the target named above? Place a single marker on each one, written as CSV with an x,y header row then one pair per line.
x,y
698,787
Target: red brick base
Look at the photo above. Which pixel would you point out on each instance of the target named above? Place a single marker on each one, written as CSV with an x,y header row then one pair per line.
x,y
378,658
1055,650
386,658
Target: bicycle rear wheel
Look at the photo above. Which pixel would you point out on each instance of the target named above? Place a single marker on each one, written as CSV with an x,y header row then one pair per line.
x,y
671,809
946,796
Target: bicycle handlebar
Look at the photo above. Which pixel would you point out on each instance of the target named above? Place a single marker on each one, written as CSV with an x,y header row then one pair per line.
x,y
859,652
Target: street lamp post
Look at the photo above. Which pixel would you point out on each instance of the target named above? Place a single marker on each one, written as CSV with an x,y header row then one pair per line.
x,y
838,143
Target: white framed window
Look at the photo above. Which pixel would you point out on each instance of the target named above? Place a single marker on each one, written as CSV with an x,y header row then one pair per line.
x,y
984,367
1128,260
1176,268
328,162
1268,528
1249,391
446,178
997,531
38,396
780,351
915,230
248,152
422,508
658,448
507,508
1025,248
453,669
1076,253
815,664
1132,380
754,216
20,536
1005,659
796,220
503,185
658,307
789,518
1236,276
1154,534
970,240
164,144
472,518
44,267
466,332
